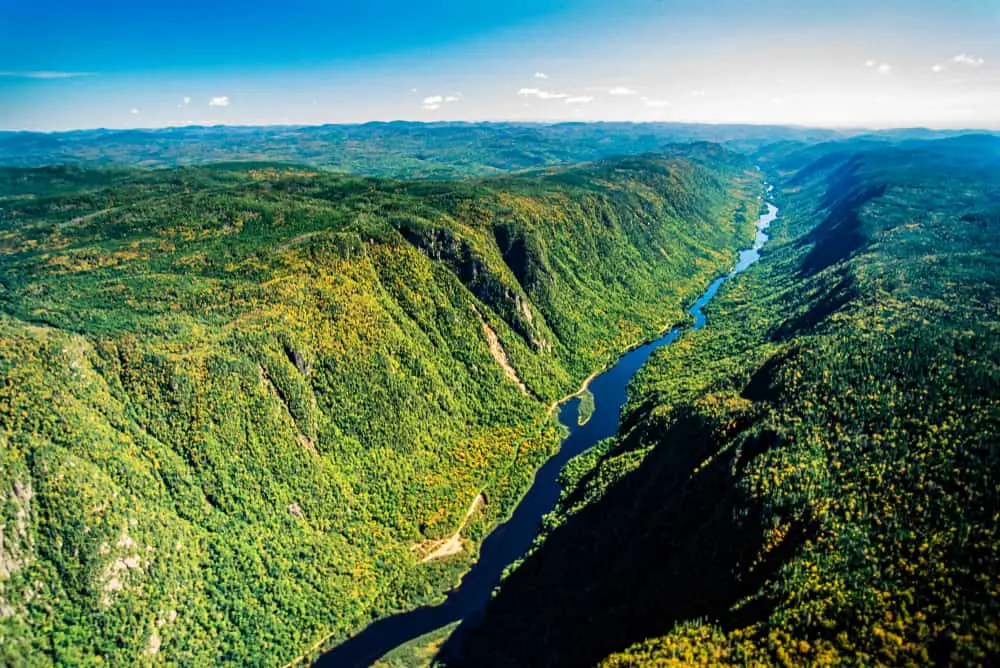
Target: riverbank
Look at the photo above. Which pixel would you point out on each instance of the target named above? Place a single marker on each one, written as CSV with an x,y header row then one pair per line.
x,y
585,385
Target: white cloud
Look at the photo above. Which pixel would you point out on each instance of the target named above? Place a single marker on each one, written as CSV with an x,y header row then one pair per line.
x,y
621,90
541,94
937,68
46,74
433,102
220,101
698,93
134,110
541,75
966,59
413,90
884,68
580,99
655,103
777,101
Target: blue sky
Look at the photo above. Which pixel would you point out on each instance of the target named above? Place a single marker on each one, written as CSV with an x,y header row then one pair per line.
x,y
109,63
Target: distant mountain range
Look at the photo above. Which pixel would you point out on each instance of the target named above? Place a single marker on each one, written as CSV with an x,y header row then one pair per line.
x,y
406,149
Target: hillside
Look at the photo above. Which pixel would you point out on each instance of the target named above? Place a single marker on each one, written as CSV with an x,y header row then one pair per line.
x,y
813,478
239,402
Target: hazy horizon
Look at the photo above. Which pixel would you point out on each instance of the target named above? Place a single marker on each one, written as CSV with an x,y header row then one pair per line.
x,y
859,65
846,130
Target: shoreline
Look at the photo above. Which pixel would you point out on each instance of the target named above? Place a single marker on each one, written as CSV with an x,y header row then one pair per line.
x,y
586,381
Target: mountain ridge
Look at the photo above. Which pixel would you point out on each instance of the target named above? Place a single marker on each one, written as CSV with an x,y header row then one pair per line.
x,y
239,395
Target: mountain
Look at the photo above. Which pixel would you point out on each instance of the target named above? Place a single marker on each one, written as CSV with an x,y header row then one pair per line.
x,y
812,478
245,405
240,403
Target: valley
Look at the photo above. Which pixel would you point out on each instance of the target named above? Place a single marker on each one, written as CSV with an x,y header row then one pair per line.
x,y
257,387
812,478
520,334
505,545
245,406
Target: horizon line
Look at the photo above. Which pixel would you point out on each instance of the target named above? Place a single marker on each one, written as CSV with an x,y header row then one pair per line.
x,y
528,122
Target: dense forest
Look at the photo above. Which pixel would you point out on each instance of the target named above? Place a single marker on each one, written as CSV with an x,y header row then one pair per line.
x,y
240,402
813,478
243,405
403,149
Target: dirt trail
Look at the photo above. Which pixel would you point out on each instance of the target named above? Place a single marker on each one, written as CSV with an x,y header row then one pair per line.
x,y
452,544
438,549
302,658
583,388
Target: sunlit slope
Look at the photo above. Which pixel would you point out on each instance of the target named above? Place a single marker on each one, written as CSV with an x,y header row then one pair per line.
x,y
812,477
237,402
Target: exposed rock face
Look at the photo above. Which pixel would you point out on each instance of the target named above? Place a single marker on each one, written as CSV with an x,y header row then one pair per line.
x,y
154,643
500,355
116,574
15,541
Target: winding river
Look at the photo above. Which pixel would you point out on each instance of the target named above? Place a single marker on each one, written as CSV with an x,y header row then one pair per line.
x,y
509,541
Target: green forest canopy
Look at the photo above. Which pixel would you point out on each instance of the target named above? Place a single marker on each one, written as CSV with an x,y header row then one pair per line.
x,y
235,398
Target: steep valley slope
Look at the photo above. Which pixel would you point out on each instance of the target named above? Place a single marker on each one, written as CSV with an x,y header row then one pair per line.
x,y
236,400
814,478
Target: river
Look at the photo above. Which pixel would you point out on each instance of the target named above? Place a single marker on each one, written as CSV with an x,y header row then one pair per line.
x,y
509,541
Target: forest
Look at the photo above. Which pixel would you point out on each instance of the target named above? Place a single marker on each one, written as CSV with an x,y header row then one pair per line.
x,y
812,478
240,402
250,388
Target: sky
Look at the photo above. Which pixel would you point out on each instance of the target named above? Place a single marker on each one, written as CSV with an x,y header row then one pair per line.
x,y
73,64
